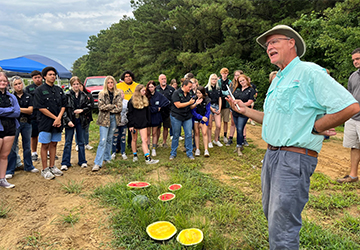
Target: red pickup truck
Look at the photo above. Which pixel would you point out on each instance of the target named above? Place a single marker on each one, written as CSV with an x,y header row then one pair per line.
x,y
94,84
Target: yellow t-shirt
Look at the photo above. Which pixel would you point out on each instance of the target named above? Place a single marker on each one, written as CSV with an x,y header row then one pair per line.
x,y
128,89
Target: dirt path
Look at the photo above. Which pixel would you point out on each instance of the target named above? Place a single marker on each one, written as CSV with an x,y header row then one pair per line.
x,y
38,205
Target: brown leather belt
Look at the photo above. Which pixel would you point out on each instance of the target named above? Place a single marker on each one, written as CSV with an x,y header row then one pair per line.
x,y
303,151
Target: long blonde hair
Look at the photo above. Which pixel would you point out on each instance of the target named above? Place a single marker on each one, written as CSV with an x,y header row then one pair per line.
x,y
139,101
208,86
105,88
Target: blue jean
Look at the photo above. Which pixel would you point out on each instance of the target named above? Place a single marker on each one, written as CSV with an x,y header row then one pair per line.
x,y
25,130
69,135
240,123
176,126
285,183
86,136
119,139
103,152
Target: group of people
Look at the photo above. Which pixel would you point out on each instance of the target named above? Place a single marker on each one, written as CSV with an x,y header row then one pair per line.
x,y
303,103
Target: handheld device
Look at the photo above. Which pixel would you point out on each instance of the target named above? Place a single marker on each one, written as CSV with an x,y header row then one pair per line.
x,y
232,97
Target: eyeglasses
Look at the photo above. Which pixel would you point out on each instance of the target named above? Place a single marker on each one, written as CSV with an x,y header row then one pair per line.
x,y
275,41
213,78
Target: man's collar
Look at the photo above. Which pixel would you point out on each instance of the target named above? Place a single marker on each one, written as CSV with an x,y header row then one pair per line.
x,y
289,67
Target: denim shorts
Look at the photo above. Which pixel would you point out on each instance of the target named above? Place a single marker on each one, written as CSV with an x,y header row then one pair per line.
x,y
47,137
214,106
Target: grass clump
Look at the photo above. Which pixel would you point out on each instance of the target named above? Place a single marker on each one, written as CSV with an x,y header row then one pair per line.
x,y
72,187
4,209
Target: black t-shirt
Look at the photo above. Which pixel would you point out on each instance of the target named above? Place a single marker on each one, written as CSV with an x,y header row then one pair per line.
x,y
167,92
182,114
246,95
4,100
214,95
53,99
31,90
24,101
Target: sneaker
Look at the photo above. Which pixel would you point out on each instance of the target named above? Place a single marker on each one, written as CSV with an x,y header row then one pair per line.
x,y
77,148
246,144
113,156
151,161
239,151
34,157
84,165
135,159
171,137
64,167
153,152
124,156
171,157
88,147
165,145
252,123
347,179
95,168
225,139
230,141
181,138
206,153
197,152
217,143
55,171
5,184
191,157
34,170
210,145
46,173
8,176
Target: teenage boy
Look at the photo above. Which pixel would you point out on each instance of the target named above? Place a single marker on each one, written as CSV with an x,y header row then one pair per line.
x,y
225,109
50,100
37,81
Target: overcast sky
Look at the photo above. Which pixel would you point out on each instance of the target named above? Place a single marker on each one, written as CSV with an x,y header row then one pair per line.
x,y
58,29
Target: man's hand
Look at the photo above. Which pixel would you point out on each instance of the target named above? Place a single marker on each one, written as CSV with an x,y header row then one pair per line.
x,y
238,102
57,122
328,132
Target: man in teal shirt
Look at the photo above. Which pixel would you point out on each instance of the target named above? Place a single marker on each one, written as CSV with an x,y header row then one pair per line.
x,y
293,126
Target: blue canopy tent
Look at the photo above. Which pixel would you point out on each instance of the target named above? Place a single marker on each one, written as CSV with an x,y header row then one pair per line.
x,y
24,65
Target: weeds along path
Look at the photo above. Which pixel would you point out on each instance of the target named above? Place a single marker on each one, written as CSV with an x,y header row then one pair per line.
x,y
41,210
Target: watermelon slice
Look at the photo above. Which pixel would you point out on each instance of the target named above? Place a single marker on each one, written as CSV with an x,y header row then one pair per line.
x,y
166,196
175,187
138,184
190,237
161,230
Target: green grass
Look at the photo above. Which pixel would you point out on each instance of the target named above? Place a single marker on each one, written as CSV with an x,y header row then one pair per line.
x,y
4,209
72,187
36,241
221,196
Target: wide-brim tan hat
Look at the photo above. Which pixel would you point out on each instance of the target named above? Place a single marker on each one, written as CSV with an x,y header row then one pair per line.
x,y
286,31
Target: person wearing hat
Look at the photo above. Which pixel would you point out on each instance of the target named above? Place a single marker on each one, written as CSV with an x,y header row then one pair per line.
x,y
294,126
51,101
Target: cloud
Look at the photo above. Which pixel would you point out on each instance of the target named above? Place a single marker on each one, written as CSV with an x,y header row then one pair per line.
x,y
40,26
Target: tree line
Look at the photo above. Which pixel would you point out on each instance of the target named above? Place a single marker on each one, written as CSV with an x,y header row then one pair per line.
x,y
202,36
